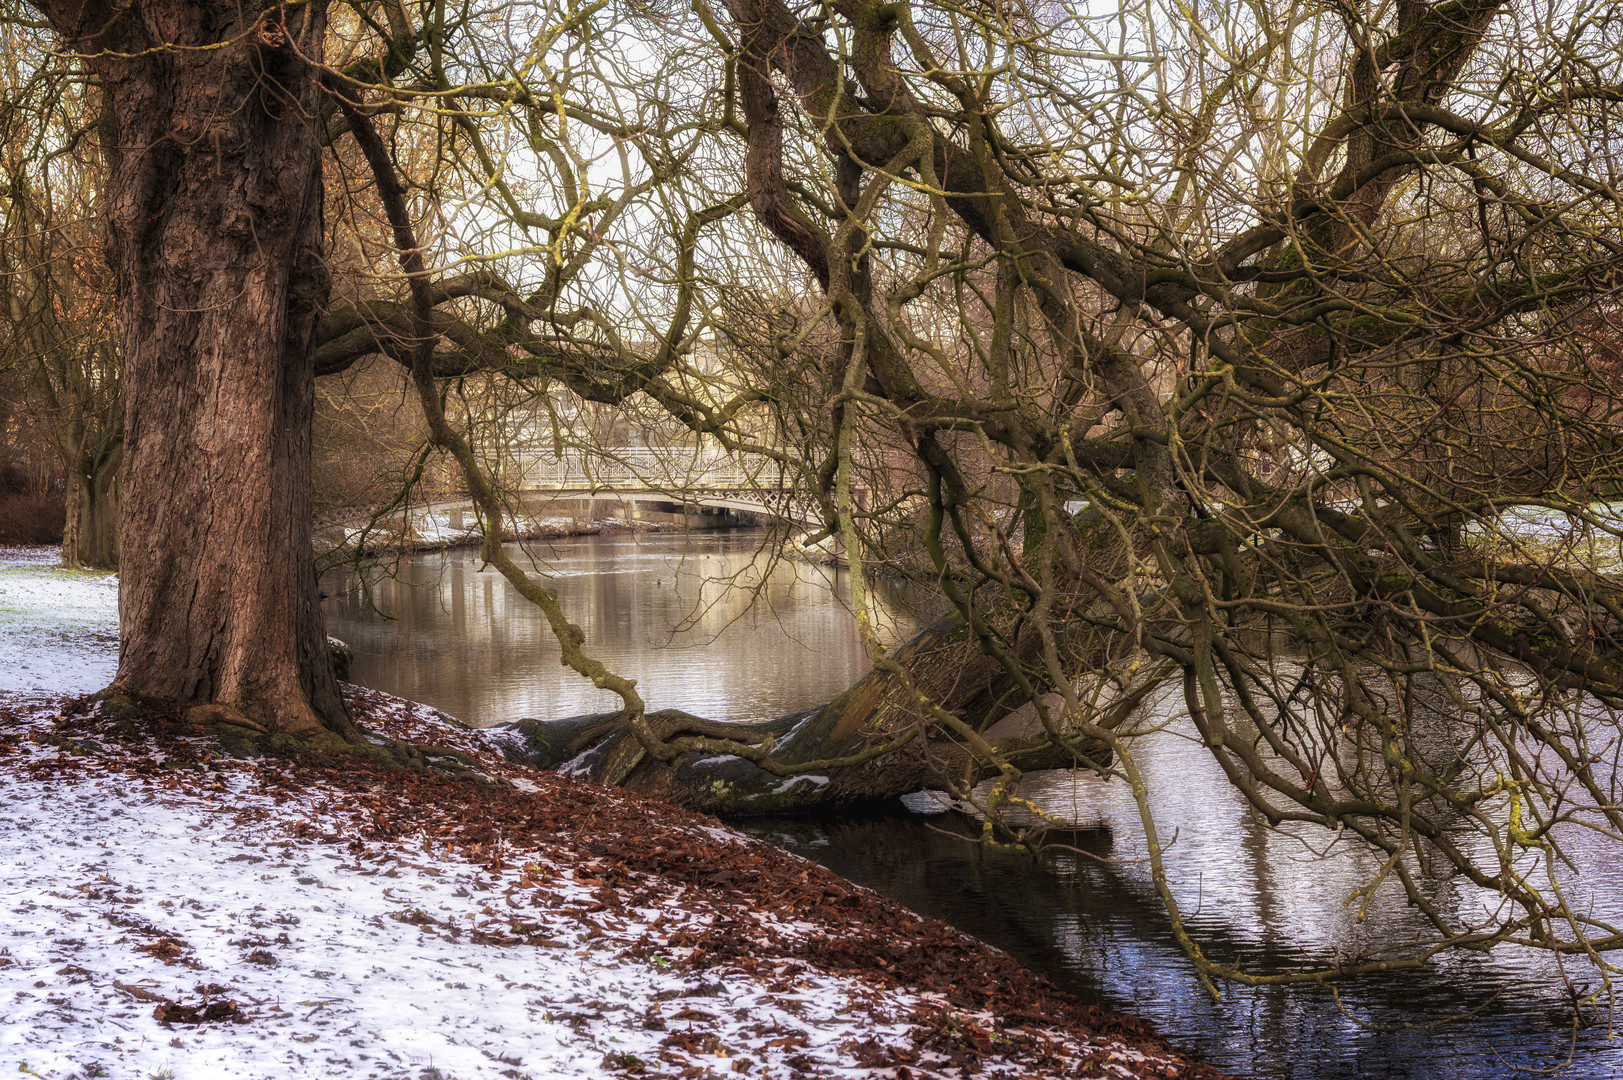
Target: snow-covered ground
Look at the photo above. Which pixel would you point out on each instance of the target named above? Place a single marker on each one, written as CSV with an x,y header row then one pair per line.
x,y
343,963
146,884
58,628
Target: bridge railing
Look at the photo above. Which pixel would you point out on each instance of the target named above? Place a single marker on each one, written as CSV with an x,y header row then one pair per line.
x,y
672,469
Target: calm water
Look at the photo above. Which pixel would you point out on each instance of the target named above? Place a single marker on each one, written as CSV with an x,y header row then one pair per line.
x,y
675,612
704,622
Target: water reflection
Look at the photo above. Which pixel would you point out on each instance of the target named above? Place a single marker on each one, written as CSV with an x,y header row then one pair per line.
x,y
671,610
465,642
1271,902
1095,929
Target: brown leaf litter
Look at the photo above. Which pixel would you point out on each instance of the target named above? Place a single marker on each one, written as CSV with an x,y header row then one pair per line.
x,y
748,906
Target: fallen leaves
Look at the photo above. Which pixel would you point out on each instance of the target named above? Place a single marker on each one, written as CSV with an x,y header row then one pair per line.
x,y
137,992
166,949
665,885
174,1012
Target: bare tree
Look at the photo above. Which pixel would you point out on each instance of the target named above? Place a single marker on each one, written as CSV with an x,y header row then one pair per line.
x,y
1227,355
59,344
213,211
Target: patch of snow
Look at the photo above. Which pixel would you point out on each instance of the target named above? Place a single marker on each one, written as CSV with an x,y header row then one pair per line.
x,y
580,764
58,628
361,964
710,761
806,718
724,835
504,737
788,785
43,555
929,802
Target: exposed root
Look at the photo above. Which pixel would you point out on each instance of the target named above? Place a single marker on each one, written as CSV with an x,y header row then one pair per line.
x,y
213,714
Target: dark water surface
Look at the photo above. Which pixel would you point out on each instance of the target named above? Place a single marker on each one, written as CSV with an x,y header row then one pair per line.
x,y
653,608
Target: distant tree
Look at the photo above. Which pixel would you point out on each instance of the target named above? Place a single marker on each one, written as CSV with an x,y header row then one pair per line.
x,y
58,347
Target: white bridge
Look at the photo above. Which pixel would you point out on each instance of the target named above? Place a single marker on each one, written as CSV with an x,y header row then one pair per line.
x,y
691,477
693,483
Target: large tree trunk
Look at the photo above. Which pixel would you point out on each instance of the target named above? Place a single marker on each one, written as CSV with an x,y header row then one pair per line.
x,y
214,235
835,739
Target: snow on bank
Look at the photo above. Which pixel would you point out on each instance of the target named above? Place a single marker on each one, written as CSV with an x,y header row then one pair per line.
x,y
324,920
58,628
360,964
432,531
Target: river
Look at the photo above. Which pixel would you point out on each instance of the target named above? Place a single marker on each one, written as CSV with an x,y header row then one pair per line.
x,y
709,625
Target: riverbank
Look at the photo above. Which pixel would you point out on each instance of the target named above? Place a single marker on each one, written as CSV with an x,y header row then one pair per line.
x,y
187,905
437,532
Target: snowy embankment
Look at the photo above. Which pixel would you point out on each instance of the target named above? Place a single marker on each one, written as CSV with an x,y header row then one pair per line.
x,y
178,902
432,531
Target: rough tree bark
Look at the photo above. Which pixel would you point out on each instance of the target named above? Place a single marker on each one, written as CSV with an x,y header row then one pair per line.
x,y
213,210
